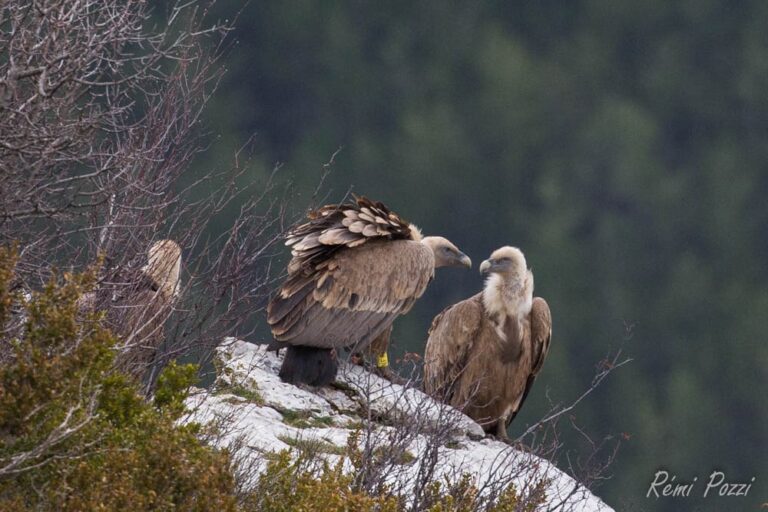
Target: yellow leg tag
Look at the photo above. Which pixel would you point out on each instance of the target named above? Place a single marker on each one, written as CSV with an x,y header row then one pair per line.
x,y
382,361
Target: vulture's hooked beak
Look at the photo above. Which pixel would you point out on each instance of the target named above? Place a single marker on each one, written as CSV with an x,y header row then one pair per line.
x,y
465,260
485,267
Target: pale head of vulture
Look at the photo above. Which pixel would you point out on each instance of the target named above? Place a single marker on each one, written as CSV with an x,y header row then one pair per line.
x,y
164,266
509,286
446,254
508,262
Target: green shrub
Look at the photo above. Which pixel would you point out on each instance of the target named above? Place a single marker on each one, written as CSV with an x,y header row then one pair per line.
x,y
76,435
287,485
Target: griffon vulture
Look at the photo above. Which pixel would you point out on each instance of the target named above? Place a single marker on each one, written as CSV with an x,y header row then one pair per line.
x,y
484,352
140,302
355,267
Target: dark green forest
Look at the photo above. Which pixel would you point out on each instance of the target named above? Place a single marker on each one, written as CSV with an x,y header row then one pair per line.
x,y
622,145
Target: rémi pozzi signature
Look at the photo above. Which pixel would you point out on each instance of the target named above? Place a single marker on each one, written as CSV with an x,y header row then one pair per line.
x,y
666,485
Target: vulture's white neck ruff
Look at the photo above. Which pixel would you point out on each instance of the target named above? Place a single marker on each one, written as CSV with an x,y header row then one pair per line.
x,y
508,298
416,235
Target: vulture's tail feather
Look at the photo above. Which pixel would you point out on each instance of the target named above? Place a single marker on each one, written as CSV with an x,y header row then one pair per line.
x,y
309,365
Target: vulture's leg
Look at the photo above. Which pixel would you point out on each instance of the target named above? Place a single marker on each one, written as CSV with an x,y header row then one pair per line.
x,y
377,352
501,429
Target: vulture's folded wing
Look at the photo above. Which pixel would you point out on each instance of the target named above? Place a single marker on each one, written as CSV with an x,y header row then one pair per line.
x,y
352,296
541,335
451,338
138,312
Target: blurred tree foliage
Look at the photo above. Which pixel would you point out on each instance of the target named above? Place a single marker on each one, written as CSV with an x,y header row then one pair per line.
x,y
622,145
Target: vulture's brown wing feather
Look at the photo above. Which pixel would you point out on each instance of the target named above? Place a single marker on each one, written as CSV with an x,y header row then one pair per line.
x,y
541,332
451,340
352,295
355,267
541,335
138,313
334,228
528,386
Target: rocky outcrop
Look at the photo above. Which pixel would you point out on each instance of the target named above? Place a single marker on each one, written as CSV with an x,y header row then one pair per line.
x,y
256,413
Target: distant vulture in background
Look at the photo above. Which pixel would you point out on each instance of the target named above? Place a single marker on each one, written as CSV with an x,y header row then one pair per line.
x,y
484,353
140,304
355,267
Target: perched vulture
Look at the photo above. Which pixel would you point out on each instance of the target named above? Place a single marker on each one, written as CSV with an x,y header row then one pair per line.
x,y
484,352
140,303
355,267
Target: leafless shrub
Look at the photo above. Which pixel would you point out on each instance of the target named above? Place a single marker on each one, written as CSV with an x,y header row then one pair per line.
x,y
591,466
99,121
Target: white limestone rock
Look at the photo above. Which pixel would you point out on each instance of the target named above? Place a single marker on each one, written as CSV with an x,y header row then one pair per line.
x,y
255,413
394,402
